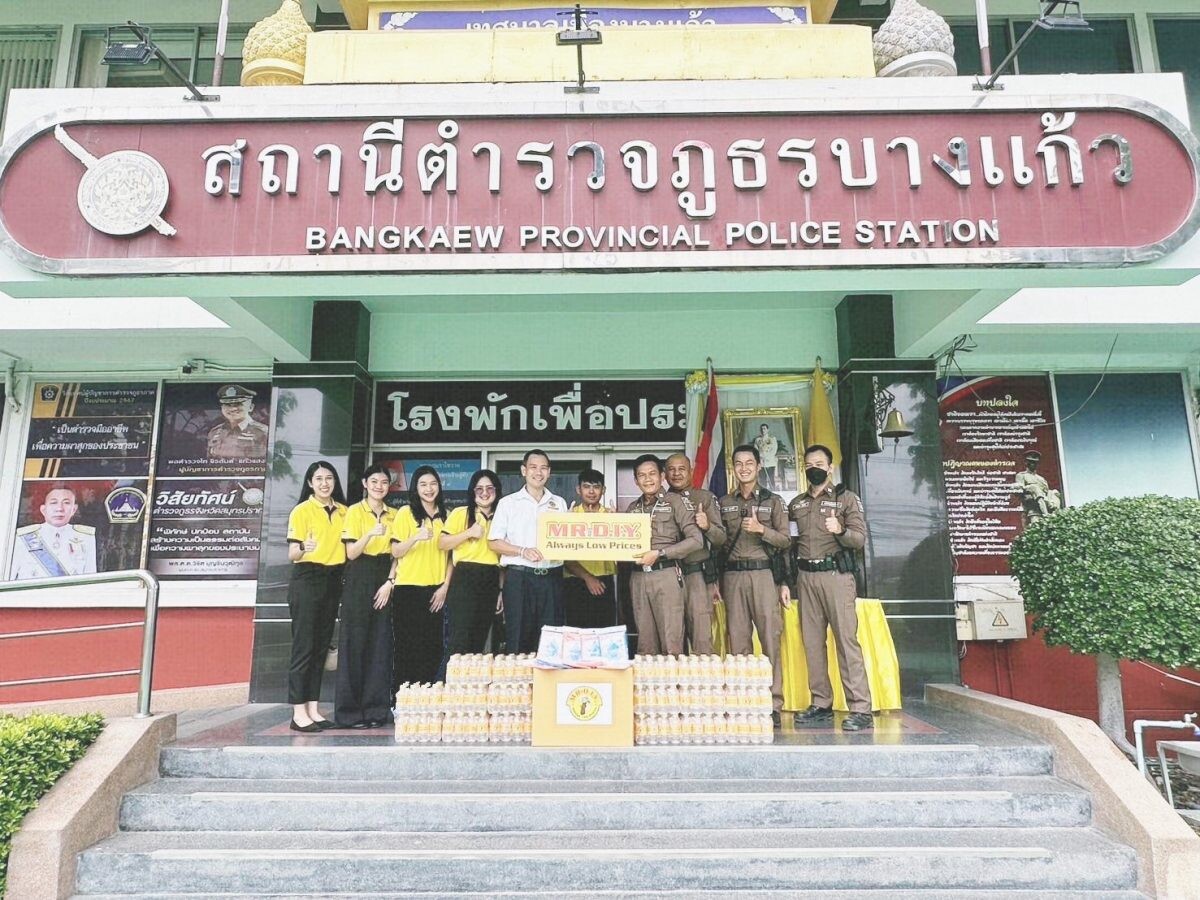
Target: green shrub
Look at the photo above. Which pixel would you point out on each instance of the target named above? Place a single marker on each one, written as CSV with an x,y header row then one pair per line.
x,y
34,752
1118,577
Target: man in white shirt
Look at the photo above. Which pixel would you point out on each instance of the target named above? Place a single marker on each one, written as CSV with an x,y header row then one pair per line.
x,y
533,585
55,547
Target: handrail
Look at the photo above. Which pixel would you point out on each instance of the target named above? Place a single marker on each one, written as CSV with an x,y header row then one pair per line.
x,y
149,628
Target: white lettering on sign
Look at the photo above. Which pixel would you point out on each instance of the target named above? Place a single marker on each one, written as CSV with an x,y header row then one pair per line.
x,y
608,238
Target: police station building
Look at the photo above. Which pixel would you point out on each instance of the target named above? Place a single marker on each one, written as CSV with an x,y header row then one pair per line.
x,y
431,233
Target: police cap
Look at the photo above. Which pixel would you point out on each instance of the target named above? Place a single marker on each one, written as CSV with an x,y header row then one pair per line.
x,y
1033,456
234,393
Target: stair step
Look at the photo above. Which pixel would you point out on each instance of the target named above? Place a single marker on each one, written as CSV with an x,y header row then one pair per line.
x,y
500,789
394,763
782,894
777,859
232,805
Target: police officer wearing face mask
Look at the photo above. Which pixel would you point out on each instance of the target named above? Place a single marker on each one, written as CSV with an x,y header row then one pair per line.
x,y
829,527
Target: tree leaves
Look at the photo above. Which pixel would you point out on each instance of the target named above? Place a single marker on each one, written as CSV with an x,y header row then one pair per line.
x,y
1118,576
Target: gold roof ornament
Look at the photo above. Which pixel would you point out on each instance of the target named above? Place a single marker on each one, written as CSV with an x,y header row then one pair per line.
x,y
273,52
914,41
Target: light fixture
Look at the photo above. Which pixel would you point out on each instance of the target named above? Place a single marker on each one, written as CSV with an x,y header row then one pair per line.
x,y
578,37
141,51
1056,15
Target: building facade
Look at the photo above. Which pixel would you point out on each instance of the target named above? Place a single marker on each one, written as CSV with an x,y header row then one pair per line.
x,y
428,251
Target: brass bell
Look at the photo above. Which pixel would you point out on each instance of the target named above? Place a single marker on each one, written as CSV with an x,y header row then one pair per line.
x,y
894,426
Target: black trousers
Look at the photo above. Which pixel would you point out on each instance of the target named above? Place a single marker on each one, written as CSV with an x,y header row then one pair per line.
x,y
313,597
470,605
583,610
531,600
364,675
417,633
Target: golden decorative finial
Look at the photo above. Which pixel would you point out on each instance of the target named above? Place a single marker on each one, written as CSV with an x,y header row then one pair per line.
x,y
274,50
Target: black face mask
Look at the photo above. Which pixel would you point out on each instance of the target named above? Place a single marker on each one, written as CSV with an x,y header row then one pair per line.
x,y
815,476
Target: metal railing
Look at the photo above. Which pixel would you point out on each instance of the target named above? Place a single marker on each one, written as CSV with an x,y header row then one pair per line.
x,y
149,626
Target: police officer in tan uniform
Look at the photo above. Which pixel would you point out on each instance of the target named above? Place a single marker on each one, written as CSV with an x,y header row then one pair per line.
x,y
830,526
657,582
755,524
239,436
699,569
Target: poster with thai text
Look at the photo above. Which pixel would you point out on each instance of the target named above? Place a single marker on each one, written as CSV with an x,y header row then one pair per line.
x,y
1001,463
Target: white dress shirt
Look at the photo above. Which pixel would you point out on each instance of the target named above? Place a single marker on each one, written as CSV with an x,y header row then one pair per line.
x,y
515,521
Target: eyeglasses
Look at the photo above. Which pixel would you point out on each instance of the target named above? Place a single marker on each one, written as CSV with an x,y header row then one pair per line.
x,y
480,491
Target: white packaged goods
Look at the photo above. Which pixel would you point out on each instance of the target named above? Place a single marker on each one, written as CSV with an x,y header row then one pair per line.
x,y
583,648
702,700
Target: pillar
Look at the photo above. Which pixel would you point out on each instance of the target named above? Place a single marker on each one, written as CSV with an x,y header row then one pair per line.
x,y
907,561
319,410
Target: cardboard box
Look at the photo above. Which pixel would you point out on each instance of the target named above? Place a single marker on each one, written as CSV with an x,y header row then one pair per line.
x,y
583,707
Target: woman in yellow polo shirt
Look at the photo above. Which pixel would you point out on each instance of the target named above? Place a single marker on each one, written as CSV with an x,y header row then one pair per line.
x,y
420,580
475,574
364,676
318,557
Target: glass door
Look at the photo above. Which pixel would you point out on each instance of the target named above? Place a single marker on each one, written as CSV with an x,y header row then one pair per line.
x,y
565,467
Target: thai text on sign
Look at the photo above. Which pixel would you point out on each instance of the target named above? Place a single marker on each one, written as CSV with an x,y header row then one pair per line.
x,y
616,536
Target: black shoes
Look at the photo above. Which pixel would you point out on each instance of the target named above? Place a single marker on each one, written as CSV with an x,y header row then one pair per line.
x,y
776,722
858,722
324,724
814,715
310,728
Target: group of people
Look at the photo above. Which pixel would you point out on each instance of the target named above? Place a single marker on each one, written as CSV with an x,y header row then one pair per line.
x,y
419,584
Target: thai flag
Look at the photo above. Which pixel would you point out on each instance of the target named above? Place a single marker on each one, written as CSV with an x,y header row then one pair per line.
x,y
709,471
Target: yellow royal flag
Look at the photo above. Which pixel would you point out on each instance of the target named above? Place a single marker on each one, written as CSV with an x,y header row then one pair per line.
x,y
821,427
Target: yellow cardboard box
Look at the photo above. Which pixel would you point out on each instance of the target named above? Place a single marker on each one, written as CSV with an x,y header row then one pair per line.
x,y
583,707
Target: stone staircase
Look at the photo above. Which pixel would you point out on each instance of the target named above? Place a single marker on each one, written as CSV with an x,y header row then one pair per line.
x,y
903,821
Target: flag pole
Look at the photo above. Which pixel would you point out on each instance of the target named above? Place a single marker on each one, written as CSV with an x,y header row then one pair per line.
x,y
981,26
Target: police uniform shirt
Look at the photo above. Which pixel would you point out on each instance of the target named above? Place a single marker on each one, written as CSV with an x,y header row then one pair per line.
x,y
472,550
44,551
424,564
247,441
768,509
360,519
673,529
715,536
601,568
325,525
813,540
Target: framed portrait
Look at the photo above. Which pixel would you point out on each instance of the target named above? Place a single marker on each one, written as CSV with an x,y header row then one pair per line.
x,y
778,434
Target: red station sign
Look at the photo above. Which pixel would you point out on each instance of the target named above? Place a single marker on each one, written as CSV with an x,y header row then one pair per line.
x,y
1103,181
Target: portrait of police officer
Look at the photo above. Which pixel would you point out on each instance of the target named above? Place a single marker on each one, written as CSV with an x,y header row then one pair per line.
x,y
239,436
55,547
756,528
700,586
656,584
830,526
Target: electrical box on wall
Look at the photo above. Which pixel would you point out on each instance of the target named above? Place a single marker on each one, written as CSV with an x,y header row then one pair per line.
x,y
990,620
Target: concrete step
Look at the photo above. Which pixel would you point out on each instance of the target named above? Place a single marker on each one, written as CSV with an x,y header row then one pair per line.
x,y
227,805
821,859
395,763
660,895
500,789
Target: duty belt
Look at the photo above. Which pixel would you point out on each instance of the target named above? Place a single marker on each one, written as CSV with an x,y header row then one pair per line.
x,y
747,565
692,568
828,564
661,564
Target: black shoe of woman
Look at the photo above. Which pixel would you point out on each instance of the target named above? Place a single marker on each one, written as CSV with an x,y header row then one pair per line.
x,y
324,724
310,728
